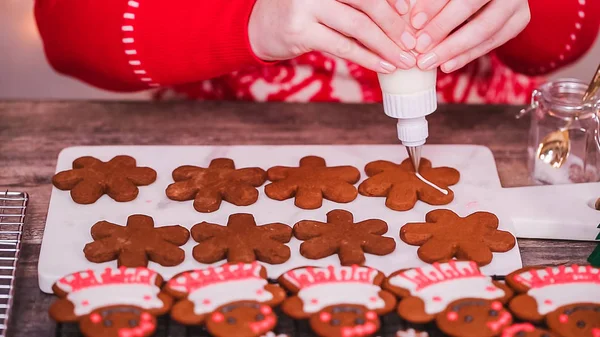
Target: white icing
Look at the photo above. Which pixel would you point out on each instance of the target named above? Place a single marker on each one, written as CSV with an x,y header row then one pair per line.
x,y
305,277
319,296
411,333
212,296
551,297
445,192
86,300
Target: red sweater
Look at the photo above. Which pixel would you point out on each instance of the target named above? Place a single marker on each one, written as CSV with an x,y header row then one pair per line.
x,y
201,48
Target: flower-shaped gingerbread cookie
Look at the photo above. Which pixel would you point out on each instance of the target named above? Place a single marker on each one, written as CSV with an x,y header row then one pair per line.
x,y
136,243
445,235
241,241
340,235
220,181
311,182
402,187
90,178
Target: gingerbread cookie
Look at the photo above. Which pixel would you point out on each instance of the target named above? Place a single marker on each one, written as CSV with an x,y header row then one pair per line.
x,y
340,235
427,291
525,330
311,182
445,235
473,317
111,302
241,241
402,186
90,178
231,300
136,243
220,181
338,301
568,297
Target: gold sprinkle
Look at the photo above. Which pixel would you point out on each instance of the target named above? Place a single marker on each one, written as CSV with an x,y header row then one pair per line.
x,y
598,204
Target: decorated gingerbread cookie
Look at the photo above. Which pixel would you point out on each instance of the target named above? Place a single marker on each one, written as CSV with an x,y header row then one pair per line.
x,y
338,301
219,181
445,235
311,182
230,300
427,291
472,317
341,236
136,243
111,302
567,297
402,186
526,330
241,241
91,178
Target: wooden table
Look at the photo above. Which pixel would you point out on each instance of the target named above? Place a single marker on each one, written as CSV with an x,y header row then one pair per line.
x,y
32,134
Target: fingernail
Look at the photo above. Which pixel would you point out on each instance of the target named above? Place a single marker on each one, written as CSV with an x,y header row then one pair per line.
x,y
387,67
418,20
412,2
423,42
402,7
408,40
427,61
408,59
449,66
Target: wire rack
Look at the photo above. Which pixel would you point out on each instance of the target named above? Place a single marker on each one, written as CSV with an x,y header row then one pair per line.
x,y
12,215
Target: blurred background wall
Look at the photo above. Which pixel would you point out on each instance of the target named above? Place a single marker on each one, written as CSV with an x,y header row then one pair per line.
x,y
25,74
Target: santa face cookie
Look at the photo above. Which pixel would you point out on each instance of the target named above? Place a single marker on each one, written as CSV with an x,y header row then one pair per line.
x,y
231,300
338,301
474,318
111,302
427,291
567,297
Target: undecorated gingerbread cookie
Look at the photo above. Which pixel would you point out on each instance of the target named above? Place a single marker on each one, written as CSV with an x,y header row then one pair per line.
x,y
567,297
111,302
230,300
91,178
472,317
402,187
526,330
427,291
311,182
445,235
338,301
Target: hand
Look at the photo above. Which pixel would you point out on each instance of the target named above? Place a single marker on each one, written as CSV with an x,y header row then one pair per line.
x,y
371,33
487,25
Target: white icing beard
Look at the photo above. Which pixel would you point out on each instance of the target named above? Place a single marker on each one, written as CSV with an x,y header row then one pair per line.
x,y
551,297
140,295
319,296
209,298
441,190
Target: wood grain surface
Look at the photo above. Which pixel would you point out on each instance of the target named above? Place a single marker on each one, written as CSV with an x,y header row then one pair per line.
x,y
33,133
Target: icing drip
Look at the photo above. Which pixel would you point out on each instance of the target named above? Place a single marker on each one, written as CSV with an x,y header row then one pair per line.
x,y
445,192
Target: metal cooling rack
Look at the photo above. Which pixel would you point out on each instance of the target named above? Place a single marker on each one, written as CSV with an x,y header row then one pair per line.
x,y
12,215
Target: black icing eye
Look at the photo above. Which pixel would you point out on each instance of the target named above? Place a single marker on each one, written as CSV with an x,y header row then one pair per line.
x,y
132,323
259,317
520,334
544,335
359,321
336,310
468,319
335,322
581,324
107,323
255,306
231,320
226,309
493,313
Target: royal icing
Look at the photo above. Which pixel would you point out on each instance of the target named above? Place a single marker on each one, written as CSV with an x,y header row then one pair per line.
x,y
440,284
322,287
441,190
554,287
93,289
210,288
411,333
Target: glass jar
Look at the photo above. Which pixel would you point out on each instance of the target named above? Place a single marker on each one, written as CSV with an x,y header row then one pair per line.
x,y
564,136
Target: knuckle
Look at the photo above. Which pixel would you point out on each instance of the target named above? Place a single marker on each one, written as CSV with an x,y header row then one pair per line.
x,y
343,46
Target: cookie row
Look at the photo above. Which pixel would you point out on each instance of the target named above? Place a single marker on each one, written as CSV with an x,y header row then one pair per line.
x,y
443,236
338,301
308,183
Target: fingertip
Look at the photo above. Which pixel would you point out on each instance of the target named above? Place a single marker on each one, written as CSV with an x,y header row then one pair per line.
x,y
402,7
423,42
449,66
408,60
408,40
418,20
427,61
385,67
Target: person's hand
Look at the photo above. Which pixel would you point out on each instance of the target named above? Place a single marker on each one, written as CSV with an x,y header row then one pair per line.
x,y
487,25
371,33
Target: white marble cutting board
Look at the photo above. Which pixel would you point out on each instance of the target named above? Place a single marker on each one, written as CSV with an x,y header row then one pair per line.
x,y
68,224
